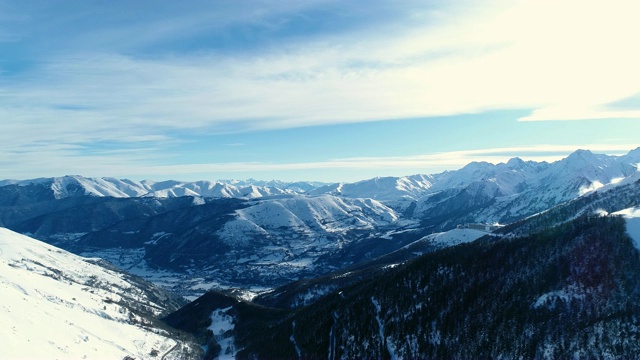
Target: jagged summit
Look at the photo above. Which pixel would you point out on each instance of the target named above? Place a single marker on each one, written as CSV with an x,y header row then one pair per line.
x,y
516,162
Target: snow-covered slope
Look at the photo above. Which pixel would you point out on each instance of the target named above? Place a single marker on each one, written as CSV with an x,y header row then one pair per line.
x,y
452,237
292,233
309,216
59,305
257,243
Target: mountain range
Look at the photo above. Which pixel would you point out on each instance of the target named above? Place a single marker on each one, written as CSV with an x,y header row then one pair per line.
x,y
517,259
257,235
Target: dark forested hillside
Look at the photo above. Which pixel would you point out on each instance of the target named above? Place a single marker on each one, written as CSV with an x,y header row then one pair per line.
x,y
57,220
572,290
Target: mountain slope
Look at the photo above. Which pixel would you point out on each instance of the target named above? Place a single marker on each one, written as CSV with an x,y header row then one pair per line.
x,y
570,291
59,305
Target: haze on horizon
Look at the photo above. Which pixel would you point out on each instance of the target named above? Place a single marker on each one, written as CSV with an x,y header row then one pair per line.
x,y
317,90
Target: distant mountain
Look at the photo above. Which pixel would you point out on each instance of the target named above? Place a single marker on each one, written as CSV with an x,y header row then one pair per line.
x,y
511,182
75,185
616,200
58,305
577,173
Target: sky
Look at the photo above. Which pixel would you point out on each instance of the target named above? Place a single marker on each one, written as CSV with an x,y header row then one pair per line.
x,y
316,90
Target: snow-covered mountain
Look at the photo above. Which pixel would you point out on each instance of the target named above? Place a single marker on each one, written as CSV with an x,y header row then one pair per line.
x,y
75,185
194,236
59,305
309,217
255,233
561,180
502,193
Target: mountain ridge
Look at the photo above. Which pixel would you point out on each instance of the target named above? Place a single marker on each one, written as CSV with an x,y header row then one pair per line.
x,y
406,187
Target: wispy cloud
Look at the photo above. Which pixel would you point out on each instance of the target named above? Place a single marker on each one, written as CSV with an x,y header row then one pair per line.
x,y
544,55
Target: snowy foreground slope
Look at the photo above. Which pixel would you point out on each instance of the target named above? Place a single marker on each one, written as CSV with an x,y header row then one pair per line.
x,y
59,305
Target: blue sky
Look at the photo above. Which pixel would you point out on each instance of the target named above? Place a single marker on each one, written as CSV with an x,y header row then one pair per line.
x,y
310,90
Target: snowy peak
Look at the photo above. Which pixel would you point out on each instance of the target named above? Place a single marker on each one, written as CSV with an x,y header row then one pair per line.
x,y
584,171
508,178
583,159
74,185
59,305
517,164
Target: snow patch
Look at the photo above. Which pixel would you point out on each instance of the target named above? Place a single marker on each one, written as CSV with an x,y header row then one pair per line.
x,y
293,340
632,217
222,325
453,237
551,299
383,340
